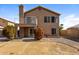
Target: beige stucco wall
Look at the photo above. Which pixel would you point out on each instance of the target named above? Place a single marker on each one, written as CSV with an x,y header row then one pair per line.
x,y
40,19
11,24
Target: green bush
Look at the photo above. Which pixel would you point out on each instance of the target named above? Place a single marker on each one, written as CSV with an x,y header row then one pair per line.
x,y
9,32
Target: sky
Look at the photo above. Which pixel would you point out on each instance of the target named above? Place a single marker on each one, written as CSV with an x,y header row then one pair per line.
x,y
69,12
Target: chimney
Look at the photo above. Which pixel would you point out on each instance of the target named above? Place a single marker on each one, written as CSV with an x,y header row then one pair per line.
x,y
21,14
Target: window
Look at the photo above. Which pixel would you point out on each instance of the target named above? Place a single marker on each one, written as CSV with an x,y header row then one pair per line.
x,y
53,31
48,19
28,20
52,19
45,19
31,32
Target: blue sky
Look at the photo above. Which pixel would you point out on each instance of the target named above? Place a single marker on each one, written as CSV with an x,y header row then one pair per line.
x,y
69,12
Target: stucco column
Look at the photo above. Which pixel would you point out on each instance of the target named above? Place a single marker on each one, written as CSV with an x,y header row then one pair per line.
x,y
21,32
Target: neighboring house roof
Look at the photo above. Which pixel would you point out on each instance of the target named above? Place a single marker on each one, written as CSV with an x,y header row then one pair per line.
x,y
42,8
7,20
74,27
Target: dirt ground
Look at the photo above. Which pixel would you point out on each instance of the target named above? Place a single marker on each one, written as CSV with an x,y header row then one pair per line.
x,y
17,47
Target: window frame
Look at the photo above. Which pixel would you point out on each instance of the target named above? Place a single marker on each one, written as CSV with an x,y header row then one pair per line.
x,y
48,19
53,31
45,19
53,19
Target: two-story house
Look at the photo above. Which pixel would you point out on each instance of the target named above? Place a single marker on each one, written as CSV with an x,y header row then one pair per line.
x,y
39,16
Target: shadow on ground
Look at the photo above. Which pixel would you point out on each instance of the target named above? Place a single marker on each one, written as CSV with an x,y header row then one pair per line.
x,y
29,40
72,38
4,40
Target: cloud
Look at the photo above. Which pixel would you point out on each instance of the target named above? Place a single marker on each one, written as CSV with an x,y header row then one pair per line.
x,y
70,20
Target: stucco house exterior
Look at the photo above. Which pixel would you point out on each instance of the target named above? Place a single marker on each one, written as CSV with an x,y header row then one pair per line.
x,y
4,23
47,19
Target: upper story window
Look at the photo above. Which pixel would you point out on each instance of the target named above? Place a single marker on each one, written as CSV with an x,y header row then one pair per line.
x,y
53,19
30,20
45,19
49,19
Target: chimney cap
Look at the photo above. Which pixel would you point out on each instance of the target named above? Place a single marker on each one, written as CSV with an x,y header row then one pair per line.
x,y
21,5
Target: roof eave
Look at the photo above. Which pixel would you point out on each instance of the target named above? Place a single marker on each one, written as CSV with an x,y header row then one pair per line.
x,y
44,8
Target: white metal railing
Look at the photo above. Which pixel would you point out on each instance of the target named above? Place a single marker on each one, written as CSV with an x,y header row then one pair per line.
x,y
31,20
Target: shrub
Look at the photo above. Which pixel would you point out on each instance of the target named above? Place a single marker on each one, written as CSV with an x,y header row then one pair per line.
x,y
9,32
5,33
60,29
38,33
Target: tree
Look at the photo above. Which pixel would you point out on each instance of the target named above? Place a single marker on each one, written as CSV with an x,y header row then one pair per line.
x,y
9,32
60,28
38,33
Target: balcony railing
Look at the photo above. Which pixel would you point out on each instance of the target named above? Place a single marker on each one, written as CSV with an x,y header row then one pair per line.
x,y
30,21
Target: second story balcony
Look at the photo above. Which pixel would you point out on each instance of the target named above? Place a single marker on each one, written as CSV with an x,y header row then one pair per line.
x,y
30,21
